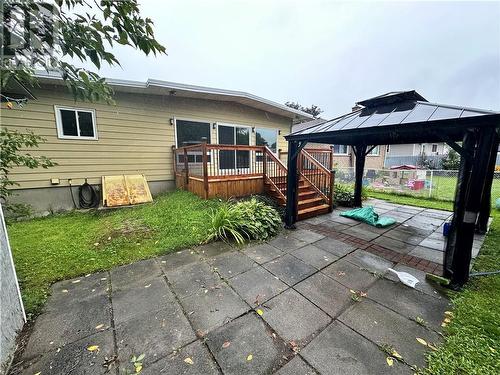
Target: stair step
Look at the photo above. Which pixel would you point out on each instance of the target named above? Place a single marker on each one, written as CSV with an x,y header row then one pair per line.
x,y
309,202
313,211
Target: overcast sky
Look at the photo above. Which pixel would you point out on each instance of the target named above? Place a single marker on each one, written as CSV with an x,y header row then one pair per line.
x,y
327,53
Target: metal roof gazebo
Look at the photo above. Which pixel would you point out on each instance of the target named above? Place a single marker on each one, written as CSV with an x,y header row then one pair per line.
x,y
407,117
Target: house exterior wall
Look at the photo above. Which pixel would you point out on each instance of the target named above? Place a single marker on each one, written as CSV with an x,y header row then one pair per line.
x,y
416,149
134,137
347,161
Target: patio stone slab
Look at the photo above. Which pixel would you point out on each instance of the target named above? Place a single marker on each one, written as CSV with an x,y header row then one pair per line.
x,y
316,220
436,214
339,350
424,286
262,253
154,334
306,235
75,359
343,220
349,275
246,336
148,296
402,234
326,293
314,256
289,269
175,363
334,225
257,285
180,258
287,243
395,245
294,318
138,271
75,290
57,328
361,233
432,255
410,210
296,366
211,308
383,326
335,247
433,243
369,262
410,302
371,228
213,249
231,264
191,278
424,222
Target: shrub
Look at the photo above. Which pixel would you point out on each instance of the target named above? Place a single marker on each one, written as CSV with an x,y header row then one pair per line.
x,y
245,220
344,195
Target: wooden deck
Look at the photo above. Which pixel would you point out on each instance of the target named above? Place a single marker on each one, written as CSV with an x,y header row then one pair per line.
x,y
227,171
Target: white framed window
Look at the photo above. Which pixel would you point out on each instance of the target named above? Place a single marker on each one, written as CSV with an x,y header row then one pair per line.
x,y
375,151
267,137
75,123
340,149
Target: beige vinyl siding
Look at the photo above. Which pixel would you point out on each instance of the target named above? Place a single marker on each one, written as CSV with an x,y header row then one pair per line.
x,y
134,136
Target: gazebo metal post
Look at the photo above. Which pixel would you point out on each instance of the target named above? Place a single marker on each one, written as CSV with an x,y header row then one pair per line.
x,y
463,178
292,179
465,229
484,212
360,152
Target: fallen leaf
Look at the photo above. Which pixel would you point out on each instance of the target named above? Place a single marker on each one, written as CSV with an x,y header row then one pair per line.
x,y
103,278
38,373
447,320
138,369
226,344
65,290
352,291
341,273
75,281
363,294
188,360
396,355
389,361
249,357
443,324
99,326
448,313
147,286
96,244
492,349
432,347
260,312
93,348
422,341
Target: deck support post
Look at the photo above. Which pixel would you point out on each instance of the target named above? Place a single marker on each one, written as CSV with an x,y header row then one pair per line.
x,y
292,179
472,176
360,153
485,210
204,157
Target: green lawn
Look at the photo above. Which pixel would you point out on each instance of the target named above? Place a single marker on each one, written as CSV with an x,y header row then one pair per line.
x,y
472,339
68,245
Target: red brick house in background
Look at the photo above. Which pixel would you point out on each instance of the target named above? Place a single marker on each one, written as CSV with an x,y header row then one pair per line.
x,y
343,156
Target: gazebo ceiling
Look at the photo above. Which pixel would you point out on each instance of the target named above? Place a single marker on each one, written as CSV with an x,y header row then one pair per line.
x,y
398,117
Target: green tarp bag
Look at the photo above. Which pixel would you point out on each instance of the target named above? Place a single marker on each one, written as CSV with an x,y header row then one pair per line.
x,y
369,216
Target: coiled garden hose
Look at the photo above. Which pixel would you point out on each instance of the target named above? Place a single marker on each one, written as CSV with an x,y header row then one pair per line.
x,y
88,197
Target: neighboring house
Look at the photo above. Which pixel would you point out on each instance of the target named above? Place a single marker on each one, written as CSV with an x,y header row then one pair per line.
x,y
418,149
343,156
134,136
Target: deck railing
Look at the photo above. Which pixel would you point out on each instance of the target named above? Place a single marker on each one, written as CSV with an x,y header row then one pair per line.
x,y
317,175
206,163
323,156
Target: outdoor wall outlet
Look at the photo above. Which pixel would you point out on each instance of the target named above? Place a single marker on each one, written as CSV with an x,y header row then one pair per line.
x,y
55,181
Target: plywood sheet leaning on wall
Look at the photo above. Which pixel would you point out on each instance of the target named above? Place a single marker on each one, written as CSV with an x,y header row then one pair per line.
x,y
125,190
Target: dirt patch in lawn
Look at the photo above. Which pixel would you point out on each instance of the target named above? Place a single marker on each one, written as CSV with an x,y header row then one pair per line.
x,y
131,230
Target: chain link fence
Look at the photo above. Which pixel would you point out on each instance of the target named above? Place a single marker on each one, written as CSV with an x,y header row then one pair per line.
x,y
438,184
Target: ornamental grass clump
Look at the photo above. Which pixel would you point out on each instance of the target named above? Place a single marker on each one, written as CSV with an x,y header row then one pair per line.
x,y
244,220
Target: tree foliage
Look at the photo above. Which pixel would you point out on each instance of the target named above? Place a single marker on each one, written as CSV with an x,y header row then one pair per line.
x,y
451,160
312,110
76,29
11,155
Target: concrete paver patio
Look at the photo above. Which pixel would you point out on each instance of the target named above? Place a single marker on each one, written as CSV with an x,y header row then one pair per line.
x,y
286,306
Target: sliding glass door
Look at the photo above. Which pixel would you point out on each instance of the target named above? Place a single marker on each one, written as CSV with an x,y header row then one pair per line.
x,y
234,135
